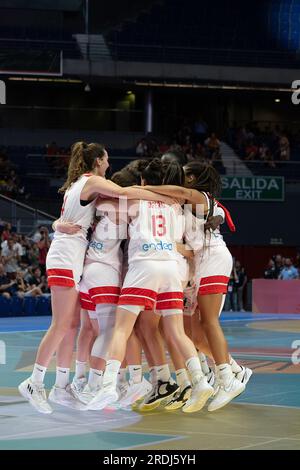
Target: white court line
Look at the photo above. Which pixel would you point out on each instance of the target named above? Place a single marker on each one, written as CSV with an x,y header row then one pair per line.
x,y
154,442
65,427
262,404
215,434
256,445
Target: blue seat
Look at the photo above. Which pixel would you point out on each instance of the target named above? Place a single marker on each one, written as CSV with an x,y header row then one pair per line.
x,y
29,306
5,307
43,306
16,306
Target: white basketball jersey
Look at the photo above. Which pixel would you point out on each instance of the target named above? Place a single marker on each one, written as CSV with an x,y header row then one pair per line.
x,y
72,211
104,246
154,231
196,236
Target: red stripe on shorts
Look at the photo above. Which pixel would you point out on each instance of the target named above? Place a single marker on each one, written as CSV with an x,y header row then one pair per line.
x,y
169,295
214,279
170,304
105,294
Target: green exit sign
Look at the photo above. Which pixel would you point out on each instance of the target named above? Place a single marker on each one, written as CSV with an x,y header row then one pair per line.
x,y
253,188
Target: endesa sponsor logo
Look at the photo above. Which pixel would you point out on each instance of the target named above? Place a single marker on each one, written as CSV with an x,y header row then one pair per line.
x,y
160,246
96,245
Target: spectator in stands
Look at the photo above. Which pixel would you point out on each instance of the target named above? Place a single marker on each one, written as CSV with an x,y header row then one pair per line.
x,y
43,246
284,148
200,131
231,292
212,145
52,149
251,151
278,260
141,148
38,283
164,147
11,257
270,271
199,153
6,233
240,284
289,271
5,283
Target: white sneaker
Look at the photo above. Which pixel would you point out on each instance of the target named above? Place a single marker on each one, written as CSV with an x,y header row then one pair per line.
x,y
244,375
211,378
105,396
135,392
65,397
36,395
226,394
201,392
88,394
77,386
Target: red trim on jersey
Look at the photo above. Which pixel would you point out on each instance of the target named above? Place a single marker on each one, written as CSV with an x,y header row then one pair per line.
x,y
214,279
105,294
87,174
60,277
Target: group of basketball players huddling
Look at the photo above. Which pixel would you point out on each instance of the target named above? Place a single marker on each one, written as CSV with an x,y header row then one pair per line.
x,y
139,262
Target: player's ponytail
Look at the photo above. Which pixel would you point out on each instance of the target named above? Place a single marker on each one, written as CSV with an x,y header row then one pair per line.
x,y
153,173
173,174
206,178
83,160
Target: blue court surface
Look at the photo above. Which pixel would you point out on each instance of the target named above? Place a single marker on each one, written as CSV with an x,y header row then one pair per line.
x,y
265,416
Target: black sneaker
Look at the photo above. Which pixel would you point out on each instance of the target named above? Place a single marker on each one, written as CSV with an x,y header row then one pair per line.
x,y
162,391
179,398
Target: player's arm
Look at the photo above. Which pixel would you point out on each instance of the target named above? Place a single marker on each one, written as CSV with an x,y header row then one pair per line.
x,y
185,250
65,227
96,185
177,192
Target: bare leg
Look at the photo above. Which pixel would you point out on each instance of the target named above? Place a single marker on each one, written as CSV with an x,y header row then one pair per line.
x,y
125,321
210,307
86,337
64,307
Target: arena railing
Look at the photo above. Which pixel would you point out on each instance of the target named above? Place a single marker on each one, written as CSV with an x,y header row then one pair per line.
x,y
25,218
110,50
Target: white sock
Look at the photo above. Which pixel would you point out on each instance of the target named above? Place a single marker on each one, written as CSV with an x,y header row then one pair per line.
x,y
111,373
38,373
204,366
182,377
80,369
135,373
194,367
95,378
122,379
225,373
62,377
153,375
163,373
235,366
